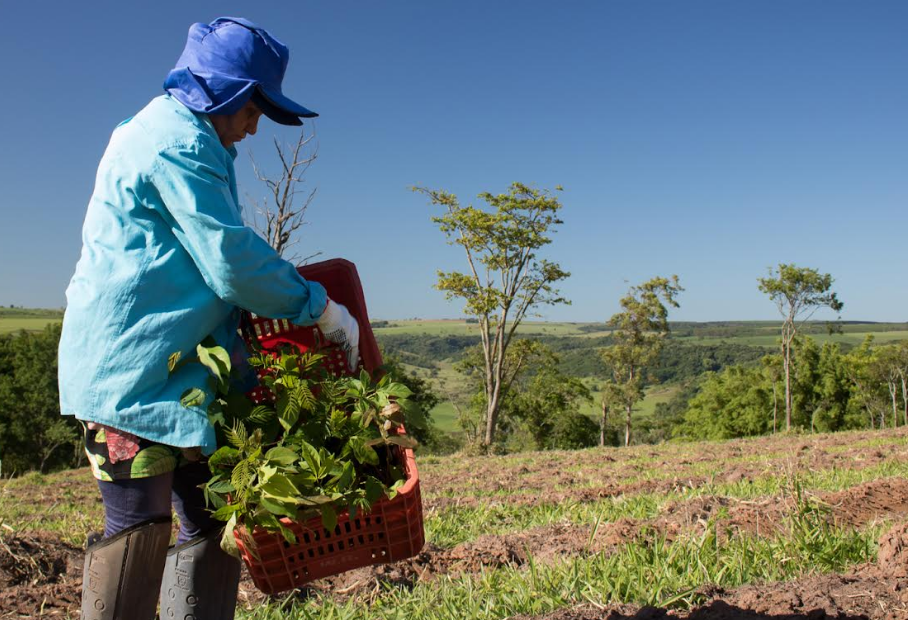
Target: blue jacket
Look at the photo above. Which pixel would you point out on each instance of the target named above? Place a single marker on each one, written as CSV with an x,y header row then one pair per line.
x,y
166,261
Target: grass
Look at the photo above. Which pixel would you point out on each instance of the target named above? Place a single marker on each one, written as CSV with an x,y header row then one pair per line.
x,y
66,503
11,325
462,328
772,340
646,568
462,524
646,572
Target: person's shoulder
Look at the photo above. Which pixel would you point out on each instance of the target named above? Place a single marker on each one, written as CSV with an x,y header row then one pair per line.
x,y
167,124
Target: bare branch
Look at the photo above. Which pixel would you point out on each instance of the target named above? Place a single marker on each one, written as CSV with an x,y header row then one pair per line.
x,y
278,218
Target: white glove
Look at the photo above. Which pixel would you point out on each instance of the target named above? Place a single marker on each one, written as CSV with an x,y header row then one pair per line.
x,y
339,326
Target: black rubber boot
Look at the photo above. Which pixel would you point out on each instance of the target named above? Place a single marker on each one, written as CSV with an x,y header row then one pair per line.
x,y
122,574
200,581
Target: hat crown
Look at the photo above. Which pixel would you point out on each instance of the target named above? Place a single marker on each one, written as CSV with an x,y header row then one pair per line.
x,y
234,47
225,62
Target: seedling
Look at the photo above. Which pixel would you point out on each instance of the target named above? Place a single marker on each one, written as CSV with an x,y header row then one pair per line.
x,y
323,445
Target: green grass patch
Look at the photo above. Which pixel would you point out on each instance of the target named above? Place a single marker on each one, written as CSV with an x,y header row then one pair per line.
x,y
772,340
457,525
646,572
30,324
462,328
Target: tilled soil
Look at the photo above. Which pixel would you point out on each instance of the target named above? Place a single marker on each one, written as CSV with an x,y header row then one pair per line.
x,y
584,477
855,507
870,592
867,593
39,576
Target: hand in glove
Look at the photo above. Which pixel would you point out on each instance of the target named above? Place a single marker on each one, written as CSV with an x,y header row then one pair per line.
x,y
339,326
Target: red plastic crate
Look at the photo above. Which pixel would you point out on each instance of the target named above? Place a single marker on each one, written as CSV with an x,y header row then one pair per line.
x,y
393,529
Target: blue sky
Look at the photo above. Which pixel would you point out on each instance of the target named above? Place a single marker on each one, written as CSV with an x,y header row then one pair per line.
x,y
710,139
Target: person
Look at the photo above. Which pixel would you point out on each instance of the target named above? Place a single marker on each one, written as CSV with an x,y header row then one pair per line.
x,y
167,262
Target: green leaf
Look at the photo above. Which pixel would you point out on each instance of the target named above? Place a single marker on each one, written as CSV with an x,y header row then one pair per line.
x,y
280,488
290,362
363,453
278,508
242,476
344,480
237,436
193,397
215,501
288,410
224,458
224,486
281,456
224,513
153,460
316,500
288,534
329,517
228,541
173,359
265,473
398,390
392,492
216,413
217,361
261,414
305,397
311,457
374,489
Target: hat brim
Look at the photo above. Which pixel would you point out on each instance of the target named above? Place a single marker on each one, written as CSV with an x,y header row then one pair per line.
x,y
281,109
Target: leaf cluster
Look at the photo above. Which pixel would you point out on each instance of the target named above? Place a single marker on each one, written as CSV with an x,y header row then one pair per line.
x,y
323,445
640,331
799,290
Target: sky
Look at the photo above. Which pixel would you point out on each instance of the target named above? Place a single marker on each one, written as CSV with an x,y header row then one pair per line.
x,y
708,139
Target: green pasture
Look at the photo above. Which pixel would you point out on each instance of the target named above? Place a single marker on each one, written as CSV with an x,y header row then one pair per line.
x,y
849,338
11,325
444,415
462,328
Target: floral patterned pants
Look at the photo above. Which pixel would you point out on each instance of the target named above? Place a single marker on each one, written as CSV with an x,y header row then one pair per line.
x,y
118,455
141,480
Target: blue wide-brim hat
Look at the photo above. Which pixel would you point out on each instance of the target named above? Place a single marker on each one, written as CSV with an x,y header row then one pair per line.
x,y
229,61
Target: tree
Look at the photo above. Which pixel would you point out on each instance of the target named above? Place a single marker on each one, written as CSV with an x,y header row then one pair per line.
x,y
506,280
538,400
546,401
888,367
33,434
282,212
902,365
640,332
523,355
833,391
772,370
730,404
864,371
798,293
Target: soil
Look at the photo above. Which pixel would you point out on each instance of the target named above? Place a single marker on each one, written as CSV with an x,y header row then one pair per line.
x,y
868,593
586,478
39,576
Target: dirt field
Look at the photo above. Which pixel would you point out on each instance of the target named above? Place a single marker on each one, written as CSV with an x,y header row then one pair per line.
x,y
815,500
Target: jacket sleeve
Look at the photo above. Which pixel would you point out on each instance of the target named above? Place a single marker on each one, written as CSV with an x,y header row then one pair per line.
x,y
237,264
